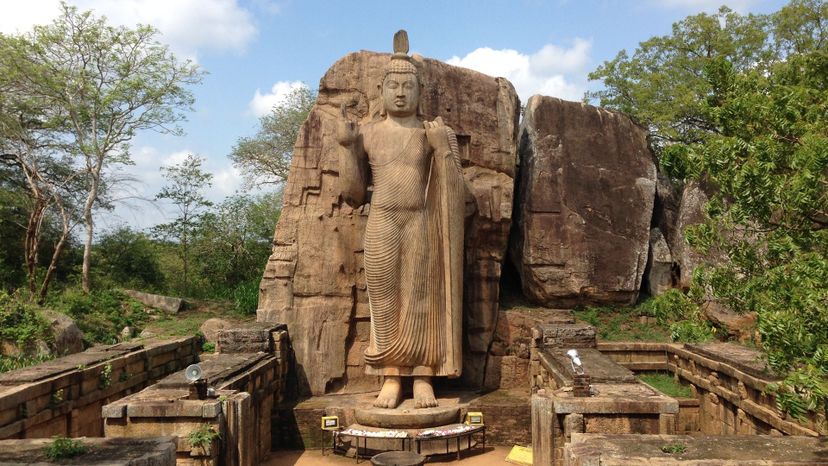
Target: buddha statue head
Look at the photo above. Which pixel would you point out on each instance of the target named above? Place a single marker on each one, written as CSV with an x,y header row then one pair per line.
x,y
400,87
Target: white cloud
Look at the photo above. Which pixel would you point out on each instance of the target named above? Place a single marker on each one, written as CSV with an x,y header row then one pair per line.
x,y
553,70
227,180
188,26
705,5
261,104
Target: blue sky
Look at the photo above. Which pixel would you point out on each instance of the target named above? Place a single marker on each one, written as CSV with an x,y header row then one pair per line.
x,y
255,50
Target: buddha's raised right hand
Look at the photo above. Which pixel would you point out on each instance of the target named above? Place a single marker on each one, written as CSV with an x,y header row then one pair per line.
x,y
347,130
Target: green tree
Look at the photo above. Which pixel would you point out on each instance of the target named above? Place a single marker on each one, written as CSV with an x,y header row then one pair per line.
x,y
102,84
236,240
186,183
265,157
739,102
128,258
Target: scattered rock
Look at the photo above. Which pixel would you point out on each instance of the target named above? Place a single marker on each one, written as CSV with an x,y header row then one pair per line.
x,y
126,333
147,333
211,327
68,338
584,204
739,326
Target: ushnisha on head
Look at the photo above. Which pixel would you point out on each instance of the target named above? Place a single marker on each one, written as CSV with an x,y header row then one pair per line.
x,y
400,87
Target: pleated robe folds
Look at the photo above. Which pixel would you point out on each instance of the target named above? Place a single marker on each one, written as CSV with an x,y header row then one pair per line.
x,y
414,262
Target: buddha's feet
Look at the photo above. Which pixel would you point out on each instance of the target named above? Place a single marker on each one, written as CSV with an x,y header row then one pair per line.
x,y
389,396
424,393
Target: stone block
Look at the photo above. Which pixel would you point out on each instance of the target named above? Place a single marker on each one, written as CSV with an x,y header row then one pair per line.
x,y
565,335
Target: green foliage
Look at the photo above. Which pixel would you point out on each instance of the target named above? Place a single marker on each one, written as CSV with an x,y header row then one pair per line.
x,y
738,103
10,363
671,306
105,377
202,436
186,183
691,331
620,324
20,322
100,314
265,158
208,347
674,448
63,448
666,384
127,258
246,296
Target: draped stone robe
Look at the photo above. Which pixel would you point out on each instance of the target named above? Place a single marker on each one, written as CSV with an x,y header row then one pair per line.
x,y
413,255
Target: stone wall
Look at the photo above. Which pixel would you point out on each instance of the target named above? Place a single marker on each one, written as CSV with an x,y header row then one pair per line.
x,y
100,452
314,280
729,382
622,450
248,385
65,396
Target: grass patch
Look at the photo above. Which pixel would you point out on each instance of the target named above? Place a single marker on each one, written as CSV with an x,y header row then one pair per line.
x,y
622,324
63,448
188,322
666,384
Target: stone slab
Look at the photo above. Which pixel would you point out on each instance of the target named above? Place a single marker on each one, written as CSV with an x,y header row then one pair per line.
x,y
745,359
217,369
248,338
59,366
555,335
159,451
756,450
167,304
599,367
615,399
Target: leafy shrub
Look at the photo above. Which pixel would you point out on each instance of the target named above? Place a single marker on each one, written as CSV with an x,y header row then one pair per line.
x,y
671,306
101,314
20,322
127,258
691,331
246,296
62,448
202,436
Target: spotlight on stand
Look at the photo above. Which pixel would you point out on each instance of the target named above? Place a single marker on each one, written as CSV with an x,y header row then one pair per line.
x,y
580,381
198,384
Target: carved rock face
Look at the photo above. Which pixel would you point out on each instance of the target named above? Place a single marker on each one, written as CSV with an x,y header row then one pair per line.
x,y
585,202
314,280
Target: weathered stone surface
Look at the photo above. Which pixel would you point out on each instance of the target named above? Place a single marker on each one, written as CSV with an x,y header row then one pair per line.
x,y
739,326
314,280
618,450
167,304
659,265
691,212
585,202
159,451
600,368
68,338
565,336
211,328
249,338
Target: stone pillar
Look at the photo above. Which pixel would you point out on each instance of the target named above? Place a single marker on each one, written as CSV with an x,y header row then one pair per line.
x,y
543,429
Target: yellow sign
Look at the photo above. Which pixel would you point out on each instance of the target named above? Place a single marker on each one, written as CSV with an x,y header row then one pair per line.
x,y
330,423
474,418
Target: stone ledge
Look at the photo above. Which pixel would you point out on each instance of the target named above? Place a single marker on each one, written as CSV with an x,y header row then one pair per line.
x,y
158,451
617,450
615,399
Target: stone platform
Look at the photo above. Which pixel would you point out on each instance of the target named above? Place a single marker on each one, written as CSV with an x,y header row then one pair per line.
x,y
757,450
506,415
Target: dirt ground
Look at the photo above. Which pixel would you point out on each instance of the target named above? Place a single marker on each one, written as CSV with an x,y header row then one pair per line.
x,y
493,456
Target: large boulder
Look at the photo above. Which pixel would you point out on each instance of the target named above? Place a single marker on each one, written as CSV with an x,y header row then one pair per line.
x,y
659,273
67,337
314,280
690,212
584,204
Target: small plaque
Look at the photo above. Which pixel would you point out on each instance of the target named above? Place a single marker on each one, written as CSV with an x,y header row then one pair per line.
x,y
474,418
330,423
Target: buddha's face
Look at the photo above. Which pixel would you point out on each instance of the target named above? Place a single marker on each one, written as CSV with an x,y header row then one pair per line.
x,y
400,94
